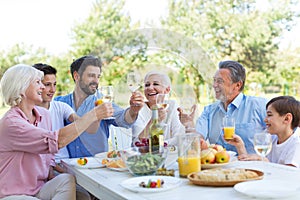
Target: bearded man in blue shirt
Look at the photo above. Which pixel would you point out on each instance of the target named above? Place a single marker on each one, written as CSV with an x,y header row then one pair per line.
x,y
86,72
248,111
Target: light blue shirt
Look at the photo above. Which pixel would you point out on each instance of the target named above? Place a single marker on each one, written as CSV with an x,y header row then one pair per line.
x,y
90,144
249,113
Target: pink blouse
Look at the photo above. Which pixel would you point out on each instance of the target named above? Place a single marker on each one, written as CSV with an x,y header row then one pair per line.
x,y
26,151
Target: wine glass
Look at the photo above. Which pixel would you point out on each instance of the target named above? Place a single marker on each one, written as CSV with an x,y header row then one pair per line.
x,y
133,81
263,145
107,92
162,101
186,104
107,95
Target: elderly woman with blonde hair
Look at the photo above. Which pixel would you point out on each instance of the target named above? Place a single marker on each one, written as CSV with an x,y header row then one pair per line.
x,y
27,144
156,82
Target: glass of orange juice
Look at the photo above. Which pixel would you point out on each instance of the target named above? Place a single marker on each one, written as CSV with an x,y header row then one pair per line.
x,y
188,154
228,127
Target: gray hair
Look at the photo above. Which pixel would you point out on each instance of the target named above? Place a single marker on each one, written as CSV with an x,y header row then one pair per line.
x,y
15,82
165,79
237,71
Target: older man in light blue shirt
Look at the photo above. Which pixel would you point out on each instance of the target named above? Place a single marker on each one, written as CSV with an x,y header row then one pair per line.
x,y
248,111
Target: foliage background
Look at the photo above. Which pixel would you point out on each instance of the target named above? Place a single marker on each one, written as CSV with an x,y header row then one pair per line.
x,y
223,29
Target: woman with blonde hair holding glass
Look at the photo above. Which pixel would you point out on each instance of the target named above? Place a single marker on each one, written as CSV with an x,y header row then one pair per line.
x,y
27,146
156,82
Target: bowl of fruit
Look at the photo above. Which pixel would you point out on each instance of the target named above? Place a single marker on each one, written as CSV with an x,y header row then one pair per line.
x,y
140,161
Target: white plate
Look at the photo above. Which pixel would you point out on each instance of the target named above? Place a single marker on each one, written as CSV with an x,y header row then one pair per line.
x,y
92,163
101,155
118,169
133,183
268,188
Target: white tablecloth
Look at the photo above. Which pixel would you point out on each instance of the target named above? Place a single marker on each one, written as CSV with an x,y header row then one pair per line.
x,y
105,183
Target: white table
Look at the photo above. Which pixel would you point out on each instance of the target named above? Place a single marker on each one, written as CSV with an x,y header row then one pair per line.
x,y
105,183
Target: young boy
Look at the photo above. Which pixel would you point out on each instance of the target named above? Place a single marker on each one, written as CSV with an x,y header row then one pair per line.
x,y
283,116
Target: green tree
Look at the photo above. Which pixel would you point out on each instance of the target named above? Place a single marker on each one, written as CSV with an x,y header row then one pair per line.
x,y
106,34
235,29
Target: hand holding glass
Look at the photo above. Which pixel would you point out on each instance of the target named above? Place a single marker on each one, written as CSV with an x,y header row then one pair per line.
x,y
228,127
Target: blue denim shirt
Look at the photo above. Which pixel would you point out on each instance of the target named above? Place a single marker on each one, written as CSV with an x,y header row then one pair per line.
x,y
90,144
249,113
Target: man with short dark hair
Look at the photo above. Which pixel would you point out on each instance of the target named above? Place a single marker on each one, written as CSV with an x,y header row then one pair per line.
x,y
86,72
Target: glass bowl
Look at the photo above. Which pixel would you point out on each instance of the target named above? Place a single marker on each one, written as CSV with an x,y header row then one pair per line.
x,y
141,162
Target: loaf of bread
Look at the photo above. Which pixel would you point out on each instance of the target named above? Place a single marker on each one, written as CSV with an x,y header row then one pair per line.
x,y
217,175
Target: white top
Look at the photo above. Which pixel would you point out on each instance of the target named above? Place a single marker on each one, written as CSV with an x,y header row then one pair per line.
x,y
172,119
60,112
287,152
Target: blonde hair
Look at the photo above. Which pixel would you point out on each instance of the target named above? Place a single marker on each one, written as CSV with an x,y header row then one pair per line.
x,y
15,82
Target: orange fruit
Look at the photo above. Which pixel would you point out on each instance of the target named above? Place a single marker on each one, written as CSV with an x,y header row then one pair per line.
x,y
98,102
82,161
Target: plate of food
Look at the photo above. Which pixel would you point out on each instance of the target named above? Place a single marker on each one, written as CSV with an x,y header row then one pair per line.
x,y
151,184
224,177
263,189
87,163
116,165
112,160
211,158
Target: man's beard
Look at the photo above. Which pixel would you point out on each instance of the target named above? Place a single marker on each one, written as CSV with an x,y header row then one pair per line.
x,y
221,98
85,88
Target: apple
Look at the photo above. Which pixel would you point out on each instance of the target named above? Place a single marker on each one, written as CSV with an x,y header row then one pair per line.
x,y
217,147
203,144
222,157
207,156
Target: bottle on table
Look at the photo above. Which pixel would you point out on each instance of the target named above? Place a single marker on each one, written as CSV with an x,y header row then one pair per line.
x,y
156,133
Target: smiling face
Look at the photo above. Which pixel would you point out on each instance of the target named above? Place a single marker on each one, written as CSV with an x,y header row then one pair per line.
x,y
89,80
49,82
33,94
274,121
225,89
154,86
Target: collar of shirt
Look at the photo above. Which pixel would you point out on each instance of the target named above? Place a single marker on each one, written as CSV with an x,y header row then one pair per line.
x,y
38,117
233,105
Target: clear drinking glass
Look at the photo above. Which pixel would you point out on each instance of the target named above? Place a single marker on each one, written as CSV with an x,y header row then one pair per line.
x,y
186,104
133,81
108,93
228,127
189,151
107,96
162,101
262,144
